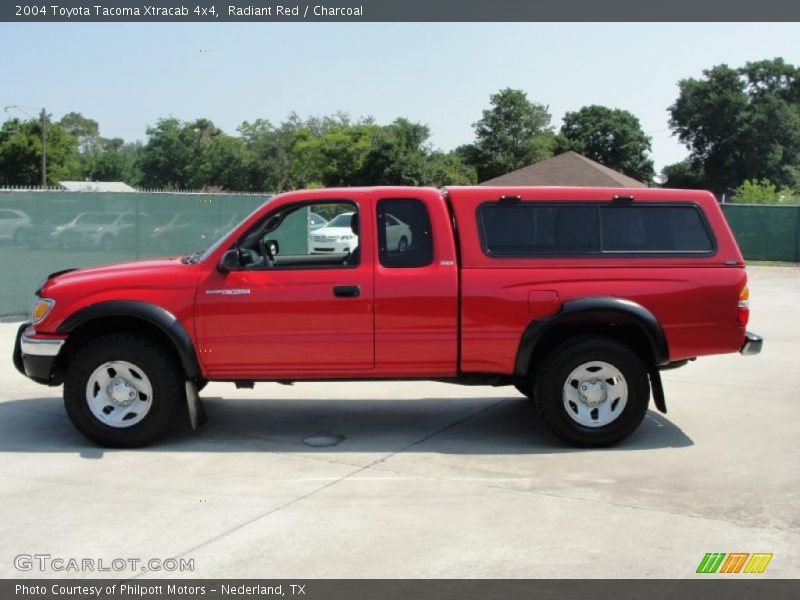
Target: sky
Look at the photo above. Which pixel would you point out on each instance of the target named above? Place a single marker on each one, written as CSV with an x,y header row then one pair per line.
x,y
126,76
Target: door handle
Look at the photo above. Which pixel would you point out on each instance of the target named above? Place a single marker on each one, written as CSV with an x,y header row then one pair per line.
x,y
347,291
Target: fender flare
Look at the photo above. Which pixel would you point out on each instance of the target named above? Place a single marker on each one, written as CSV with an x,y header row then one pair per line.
x,y
602,309
153,314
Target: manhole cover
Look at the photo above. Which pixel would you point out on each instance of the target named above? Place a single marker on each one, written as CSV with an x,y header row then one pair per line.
x,y
322,441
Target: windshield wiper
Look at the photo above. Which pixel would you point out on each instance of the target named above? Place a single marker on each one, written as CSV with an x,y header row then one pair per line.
x,y
191,258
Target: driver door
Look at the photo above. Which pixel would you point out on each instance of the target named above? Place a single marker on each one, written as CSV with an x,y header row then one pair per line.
x,y
303,315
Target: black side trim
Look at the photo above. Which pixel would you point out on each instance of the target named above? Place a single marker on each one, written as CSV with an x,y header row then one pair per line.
x,y
18,364
659,399
596,310
158,316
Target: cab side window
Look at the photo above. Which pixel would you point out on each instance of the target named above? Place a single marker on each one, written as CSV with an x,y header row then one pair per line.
x,y
404,234
320,234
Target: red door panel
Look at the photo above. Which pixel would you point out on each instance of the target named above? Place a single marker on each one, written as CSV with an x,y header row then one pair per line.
x,y
281,321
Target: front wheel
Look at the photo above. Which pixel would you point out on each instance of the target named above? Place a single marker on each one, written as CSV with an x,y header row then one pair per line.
x,y
122,390
592,391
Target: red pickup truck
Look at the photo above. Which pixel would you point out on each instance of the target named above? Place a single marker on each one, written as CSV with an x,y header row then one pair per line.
x,y
576,296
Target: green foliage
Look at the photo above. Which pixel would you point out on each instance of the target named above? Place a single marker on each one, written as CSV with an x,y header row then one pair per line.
x,y
742,123
610,136
512,134
685,175
21,153
756,192
113,160
87,131
168,154
443,169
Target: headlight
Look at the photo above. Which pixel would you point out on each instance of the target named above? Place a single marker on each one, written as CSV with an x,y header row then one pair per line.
x,y
41,308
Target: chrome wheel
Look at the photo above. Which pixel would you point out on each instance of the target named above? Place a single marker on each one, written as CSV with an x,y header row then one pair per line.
x,y
595,394
119,394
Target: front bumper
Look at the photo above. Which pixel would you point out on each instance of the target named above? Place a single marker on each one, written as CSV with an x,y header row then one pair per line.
x,y
35,356
752,344
345,247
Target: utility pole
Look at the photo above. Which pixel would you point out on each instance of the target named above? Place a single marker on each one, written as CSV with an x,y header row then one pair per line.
x,y
43,116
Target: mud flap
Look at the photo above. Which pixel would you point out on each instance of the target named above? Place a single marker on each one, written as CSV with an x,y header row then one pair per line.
x,y
197,414
658,391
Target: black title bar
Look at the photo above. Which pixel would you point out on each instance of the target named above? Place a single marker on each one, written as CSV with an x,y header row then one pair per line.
x,y
399,11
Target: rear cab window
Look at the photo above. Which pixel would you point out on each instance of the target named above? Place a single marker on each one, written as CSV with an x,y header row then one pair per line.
x,y
404,233
567,229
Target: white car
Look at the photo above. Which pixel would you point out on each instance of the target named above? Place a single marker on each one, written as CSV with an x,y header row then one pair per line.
x,y
336,237
398,234
315,221
13,224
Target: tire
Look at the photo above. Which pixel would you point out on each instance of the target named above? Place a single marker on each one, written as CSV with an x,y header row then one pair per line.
x,y
138,366
610,398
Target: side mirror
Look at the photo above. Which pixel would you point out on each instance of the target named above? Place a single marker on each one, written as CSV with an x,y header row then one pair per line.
x,y
229,262
273,247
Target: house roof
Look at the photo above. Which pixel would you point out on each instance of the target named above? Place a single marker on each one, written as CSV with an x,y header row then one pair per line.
x,y
569,168
96,186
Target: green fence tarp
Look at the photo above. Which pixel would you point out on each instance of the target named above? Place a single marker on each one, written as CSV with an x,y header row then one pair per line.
x,y
765,232
45,231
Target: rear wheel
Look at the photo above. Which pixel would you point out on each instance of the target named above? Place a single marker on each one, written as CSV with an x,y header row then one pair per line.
x,y
122,390
592,391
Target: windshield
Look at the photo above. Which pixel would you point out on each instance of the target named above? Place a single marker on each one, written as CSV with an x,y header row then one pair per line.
x,y
96,219
342,220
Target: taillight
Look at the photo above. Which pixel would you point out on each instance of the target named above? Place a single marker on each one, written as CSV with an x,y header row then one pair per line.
x,y
744,307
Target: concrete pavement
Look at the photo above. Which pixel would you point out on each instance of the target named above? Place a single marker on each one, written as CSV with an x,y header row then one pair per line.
x,y
429,480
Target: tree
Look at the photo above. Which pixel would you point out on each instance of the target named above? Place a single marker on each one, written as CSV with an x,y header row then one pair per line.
x,y
756,192
196,154
513,133
270,154
611,136
685,175
397,155
221,162
21,153
742,123
113,160
448,169
87,131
